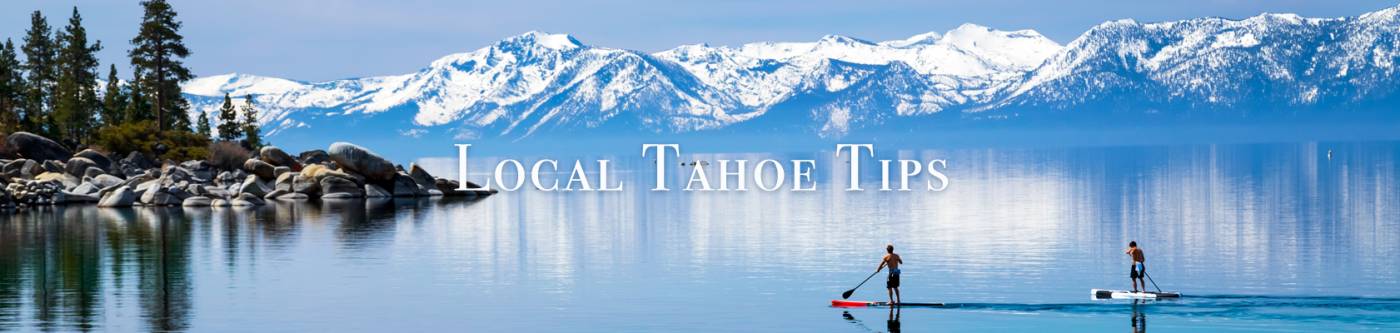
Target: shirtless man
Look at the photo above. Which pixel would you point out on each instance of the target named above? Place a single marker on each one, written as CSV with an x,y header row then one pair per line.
x,y
1138,270
892,284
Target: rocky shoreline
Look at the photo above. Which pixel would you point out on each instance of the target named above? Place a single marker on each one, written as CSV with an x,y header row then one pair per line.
x,y
39,172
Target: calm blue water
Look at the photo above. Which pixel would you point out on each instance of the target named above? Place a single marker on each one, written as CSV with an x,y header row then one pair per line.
x,y
1273,237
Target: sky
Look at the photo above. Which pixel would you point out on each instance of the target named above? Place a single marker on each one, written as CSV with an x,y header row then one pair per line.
x,y
333,39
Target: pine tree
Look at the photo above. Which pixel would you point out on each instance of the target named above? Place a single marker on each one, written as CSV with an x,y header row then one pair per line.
x,y
113,99
250,124
75,97
156,55
138,108
11,88
229,127
202,128
39,53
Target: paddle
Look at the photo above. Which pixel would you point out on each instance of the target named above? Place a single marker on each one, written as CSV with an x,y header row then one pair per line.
x,y
1149,279
848,293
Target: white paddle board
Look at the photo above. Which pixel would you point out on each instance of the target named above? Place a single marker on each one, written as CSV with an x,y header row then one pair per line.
x,y
1123,294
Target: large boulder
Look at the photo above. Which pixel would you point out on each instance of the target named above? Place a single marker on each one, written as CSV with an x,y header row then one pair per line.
x,y
260,168
65,197
361,161
67,180
159,196
314,157
227,178
105,181
305,185
284,182
197,190
404,186
36,147
317,172
121,197
197,201
277,157
255,186
101,160
247,199
143,186
52,166
420,176
176,173
138,160
449,188
85,188
374,191
336,187
96,157
281,170
77,166
313,170
180,190
23,168
200,169
93,172
274,194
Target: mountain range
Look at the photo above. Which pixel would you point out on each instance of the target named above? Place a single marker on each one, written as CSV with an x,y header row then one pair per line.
x,y
1271,67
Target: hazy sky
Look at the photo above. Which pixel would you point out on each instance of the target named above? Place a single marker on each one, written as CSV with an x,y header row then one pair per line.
x,y
330,39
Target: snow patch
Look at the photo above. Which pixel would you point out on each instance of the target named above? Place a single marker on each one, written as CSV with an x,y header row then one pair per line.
x,y
239,85
1235,39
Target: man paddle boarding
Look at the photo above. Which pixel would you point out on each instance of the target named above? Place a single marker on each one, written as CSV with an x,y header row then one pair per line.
x,y
1138,270
891,284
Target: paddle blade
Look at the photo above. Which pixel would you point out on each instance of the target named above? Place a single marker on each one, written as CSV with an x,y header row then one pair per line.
x,y
847,294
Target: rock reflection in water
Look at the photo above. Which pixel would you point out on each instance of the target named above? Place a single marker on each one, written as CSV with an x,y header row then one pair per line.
x,y
72,268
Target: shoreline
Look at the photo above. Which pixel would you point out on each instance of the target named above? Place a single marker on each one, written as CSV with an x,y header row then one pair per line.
x,y
38,171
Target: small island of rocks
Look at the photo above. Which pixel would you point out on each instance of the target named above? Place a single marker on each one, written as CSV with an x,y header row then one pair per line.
x,y
39,172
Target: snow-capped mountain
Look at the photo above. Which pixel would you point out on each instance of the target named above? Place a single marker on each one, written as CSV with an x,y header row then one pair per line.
x,y
538,81
1267,63
540,85
763,74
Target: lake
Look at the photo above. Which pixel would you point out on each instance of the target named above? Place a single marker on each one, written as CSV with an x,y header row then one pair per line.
x,y
1259,237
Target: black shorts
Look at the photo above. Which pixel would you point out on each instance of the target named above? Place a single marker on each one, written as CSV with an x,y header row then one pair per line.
x,y
893,281
1137,271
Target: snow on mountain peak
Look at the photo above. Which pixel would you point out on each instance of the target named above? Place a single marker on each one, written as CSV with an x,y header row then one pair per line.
x,y
548,40
1019,50
238,85
920,39
1384,15
842,40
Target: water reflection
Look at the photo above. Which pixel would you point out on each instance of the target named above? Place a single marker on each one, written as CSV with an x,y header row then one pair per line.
x,y
1139,319
892,322
72,268
1015,227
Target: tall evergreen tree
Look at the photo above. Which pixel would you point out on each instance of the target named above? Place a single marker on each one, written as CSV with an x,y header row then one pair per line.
x,y
156,55
39,54
229,126
11,88
113,99
202,128
75,97
250,124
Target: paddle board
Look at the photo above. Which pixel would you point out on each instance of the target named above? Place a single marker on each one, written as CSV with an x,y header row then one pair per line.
x,y
860,304
1123,294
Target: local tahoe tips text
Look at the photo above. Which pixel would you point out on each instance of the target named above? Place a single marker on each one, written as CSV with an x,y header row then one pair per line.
x,y
733,175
